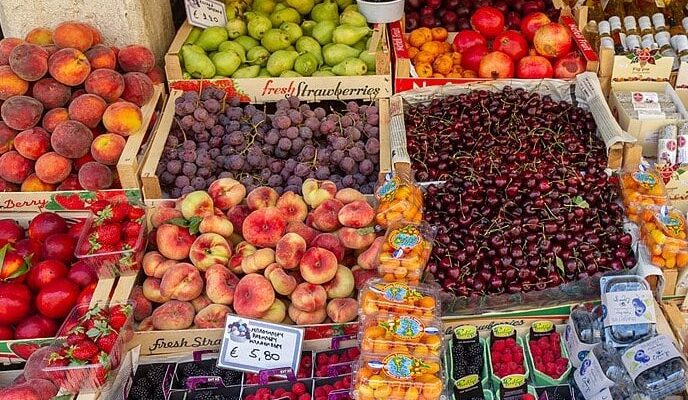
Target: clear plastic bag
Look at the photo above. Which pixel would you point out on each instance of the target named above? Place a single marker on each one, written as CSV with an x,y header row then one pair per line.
x,y
405,252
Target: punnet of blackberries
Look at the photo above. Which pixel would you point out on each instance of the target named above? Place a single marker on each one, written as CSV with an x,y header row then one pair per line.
x,y
526,203
279,145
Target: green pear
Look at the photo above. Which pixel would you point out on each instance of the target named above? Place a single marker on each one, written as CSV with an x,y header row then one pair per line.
x,y
302,6
288,14
322,32
306,64
350,67
353,18
247,42
352,7
257,25
264,6
293,30
211,37
307,27
291,48
323,73
196,49
275,39
336,53
247,72
280,61
226,62
369,59
193,35
236,28
309,45
264,73
198,65
343,4
290,74
187,76
234,46
325,11
258,56
280,6
360,45
349,34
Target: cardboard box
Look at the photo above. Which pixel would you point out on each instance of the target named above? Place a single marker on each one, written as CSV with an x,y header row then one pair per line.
x,y
259,90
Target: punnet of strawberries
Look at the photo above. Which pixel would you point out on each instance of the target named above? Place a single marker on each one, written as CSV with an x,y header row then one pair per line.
x,y
507,357
547,357
89,346
113,238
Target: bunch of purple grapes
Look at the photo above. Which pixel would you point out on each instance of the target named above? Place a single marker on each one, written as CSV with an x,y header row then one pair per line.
x,y
215,136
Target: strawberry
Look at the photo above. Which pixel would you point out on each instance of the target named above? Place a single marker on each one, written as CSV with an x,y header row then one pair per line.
x,y
120,212
107,342
119,314
107,248
98,206
135,213
84,350
76,337
109,233
131,229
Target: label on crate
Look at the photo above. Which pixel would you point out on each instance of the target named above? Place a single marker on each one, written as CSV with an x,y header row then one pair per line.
x,y
466,332
629,307
398,292
645,101
590,377
206,13
400,366
251,345
649,354
503,331
406,327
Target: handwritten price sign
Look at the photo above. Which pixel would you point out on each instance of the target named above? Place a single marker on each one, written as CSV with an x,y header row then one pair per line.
x,y
205,13
251,345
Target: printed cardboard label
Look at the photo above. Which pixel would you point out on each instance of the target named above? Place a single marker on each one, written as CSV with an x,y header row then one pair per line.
x,y
577,350
629,307
590,378
649,354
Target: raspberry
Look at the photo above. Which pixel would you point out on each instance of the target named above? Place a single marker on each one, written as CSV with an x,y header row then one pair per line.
x,y
279,392
498,346
528,396
322,359
298,388
263,391
250,397
319,391
511,342
338,385
305,396
334,359
506,358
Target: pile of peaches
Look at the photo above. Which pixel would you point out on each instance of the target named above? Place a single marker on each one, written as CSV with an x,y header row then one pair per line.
x,y
68,104
288,258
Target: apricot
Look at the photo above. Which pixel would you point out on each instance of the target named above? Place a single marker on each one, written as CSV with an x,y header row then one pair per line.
x,y
106,83
73,35
87,109
32,143
420,36
71,139
107,148
136,58
69,67
435,48
34,184
51,93
21,112
101,57
138,88
14,168
6,46
53,118
424,70
123,117
95,176
439,34
443,64
423,57
11,84
40,36
53,168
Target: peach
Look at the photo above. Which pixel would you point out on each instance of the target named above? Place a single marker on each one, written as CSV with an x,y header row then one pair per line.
x,y
7,136
34,184
73,34
357,214
283,283
40,36
226,193
264,227
71,139
156,75
174,242
356,239
71,183
216,224
138,88
303,230
11,84
105,83
292,206
97,36
32,143
325,215
276,312
262,197
173,315
209,249
160,215
369,258
154,264
107,148
87,109
237,214
289,250
330,242
142,306
14,168
348,195
22,391
101,57
21,112
151,290
29,61
53,168
197,204
53,117
181,282
146,324
201,302
316,192
212,316
342,310
51,93
136,58
308,297
258,260
241,250
220,284
51,49
342,285
253,296
69,67
6,46
95,176
318,265
300,317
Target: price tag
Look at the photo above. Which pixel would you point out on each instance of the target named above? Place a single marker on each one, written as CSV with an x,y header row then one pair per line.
x,y
251,345
205,13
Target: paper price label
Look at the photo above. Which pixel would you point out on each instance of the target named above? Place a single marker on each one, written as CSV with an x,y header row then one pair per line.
x,y
205,13
253,346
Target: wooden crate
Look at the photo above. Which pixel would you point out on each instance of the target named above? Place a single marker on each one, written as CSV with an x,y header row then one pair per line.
x,y
258,90
150,182
128,166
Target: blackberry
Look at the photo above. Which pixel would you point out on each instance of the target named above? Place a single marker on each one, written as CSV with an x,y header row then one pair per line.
x,y
156,372
229,377
138,392
206,395
192,369
467,358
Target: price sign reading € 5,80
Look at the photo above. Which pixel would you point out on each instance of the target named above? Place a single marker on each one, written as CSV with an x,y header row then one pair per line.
x,y
205,13
251,345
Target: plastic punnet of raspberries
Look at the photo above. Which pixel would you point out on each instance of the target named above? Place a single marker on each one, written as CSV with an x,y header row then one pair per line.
x,y
507,357
547,357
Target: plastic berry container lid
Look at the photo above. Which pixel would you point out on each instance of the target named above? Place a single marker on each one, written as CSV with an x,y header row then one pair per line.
x,y
384,332
628,309
656,366
422,300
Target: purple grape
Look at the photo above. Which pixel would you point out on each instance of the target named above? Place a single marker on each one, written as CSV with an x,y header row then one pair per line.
x,y
366,167
276,166
284,144
295,181
189,169
339,143
200,114
336,156
189,145
348,181
292,132
188,155
352,133
297,145
265,173
203,172
197,127
302,169
198,183
295,116
274,181
372,146
283,104
167,178
174,166
320,112
181,181
187,190
217,131
357,154
305,132
235,162
294,101
359,178
322,172
347,164
281,122
346,121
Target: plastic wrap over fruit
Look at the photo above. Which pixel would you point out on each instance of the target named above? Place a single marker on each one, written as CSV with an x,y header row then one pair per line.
x,y
405,251
656,366
641,188
399,198
422,301
664,235
628,310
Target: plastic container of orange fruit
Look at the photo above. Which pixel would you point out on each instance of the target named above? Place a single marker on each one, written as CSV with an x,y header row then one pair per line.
x,y
640,189
398,376
405,251
399,198
663,233
383,333
378,296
